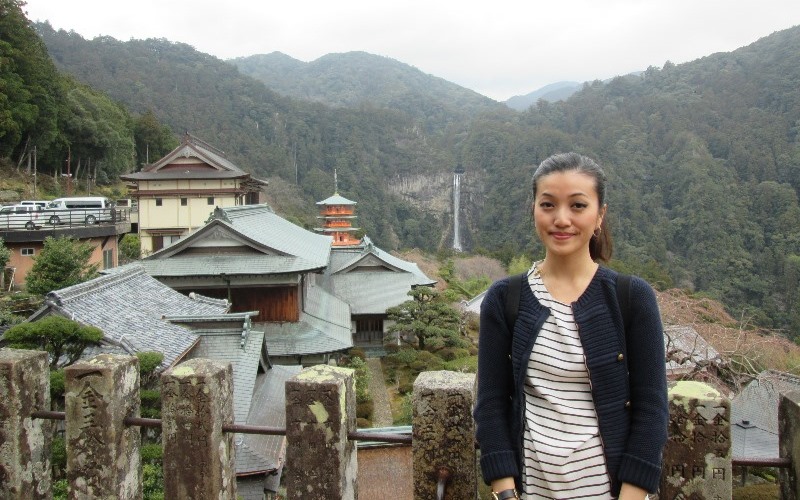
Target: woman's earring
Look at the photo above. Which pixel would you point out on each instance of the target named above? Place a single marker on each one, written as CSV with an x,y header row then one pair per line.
x,y
597,232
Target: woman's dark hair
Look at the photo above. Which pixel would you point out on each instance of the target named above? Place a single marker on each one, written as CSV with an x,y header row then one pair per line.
x,y
600,246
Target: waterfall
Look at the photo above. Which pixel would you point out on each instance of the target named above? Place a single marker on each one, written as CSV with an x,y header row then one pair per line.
x,y
456,203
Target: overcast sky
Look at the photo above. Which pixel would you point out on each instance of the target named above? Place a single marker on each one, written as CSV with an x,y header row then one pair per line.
x,y
499,48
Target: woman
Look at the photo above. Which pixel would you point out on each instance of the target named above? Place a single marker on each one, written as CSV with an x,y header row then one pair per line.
x,y
570,404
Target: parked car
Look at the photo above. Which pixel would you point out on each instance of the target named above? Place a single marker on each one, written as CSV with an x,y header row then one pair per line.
x,y
80,210
40,203
21,217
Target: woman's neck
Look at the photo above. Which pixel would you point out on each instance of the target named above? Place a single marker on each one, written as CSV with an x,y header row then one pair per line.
x,y
569,268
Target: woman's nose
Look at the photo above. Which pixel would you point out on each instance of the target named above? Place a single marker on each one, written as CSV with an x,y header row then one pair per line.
x,y
561,219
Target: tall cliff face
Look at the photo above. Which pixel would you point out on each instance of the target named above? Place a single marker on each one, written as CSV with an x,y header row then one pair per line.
x,y
433,194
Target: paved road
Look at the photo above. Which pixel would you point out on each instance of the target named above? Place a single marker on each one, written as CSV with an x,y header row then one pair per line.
x,y
382,414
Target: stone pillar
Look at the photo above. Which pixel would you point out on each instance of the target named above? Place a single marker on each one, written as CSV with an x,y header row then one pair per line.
x,y
444,434
320,412
103,454
697,457
196,401
789,435
24,442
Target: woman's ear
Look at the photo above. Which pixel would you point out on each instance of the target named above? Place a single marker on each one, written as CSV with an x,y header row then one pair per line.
x,y
602,214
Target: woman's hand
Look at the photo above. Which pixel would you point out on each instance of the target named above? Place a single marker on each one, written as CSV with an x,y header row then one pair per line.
x,y
631,492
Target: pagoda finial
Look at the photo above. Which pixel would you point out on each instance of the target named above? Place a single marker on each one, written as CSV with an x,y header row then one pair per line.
x,y
335,183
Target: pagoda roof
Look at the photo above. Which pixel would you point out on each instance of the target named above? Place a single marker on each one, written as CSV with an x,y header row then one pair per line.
x,y
336,199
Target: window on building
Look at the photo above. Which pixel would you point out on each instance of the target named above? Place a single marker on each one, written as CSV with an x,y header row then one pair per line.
x,y
27,252
170,239
210,200
159,202
158,243
184,202
108,259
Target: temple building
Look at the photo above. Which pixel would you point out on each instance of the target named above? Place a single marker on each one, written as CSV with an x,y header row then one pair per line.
x,y
178,193
337,212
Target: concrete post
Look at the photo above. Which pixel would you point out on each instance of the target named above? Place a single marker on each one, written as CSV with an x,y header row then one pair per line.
x,y
789,444
444,435
196,401
320,412
24,442
103,454
697,457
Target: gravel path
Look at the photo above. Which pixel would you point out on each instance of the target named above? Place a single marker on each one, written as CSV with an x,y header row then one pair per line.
x,y
382,414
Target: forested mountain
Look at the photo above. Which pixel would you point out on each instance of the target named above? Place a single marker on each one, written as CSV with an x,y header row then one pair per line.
x,y
559,91
703,158
354,79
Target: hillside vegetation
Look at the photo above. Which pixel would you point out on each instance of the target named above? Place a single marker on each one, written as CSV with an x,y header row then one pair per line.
x,y
703,158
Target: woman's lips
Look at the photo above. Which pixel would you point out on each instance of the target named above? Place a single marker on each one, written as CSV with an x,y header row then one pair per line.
x,y
561,236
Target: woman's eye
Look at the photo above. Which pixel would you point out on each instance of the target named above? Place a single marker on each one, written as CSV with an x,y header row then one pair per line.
x,y
545,204
580,205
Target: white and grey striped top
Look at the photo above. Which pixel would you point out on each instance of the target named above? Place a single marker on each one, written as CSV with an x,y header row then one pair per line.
x,y
562,448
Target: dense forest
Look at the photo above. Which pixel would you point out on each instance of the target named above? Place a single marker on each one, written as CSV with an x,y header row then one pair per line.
x,y
703,158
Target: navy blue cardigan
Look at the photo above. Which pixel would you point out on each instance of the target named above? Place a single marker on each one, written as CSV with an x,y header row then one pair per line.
x,y
627,374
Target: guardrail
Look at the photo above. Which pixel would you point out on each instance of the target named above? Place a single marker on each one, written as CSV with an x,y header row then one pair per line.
x,y
49,219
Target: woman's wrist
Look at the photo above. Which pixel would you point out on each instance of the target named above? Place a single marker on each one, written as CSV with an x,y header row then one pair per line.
x,y
508,494
504,488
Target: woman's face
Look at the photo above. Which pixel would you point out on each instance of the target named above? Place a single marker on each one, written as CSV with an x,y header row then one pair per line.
x,y
566,212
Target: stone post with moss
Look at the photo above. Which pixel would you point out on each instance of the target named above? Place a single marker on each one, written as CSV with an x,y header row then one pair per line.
x,y
196,402
320,412
697,457
103,454
789,432
443,443
24,441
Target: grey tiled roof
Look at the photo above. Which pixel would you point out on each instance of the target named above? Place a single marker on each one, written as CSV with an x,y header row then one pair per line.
x,y
322,304
257,453
372,292
225,345
758,404
261,224
181,174
310,335
348,259
214,265
129,306
190,147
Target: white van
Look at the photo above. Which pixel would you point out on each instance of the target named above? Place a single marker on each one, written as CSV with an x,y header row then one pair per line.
x,y
81,210
38,203
21,217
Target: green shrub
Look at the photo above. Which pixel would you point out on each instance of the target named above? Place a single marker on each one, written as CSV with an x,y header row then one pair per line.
x,y
405,388
152,454
58,457
466,365
363,423
60,489
148,362
406,356
356,352
57,385
152,482
406,412
151,403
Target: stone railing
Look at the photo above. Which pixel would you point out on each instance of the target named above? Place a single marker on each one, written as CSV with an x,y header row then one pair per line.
x,y
103,433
